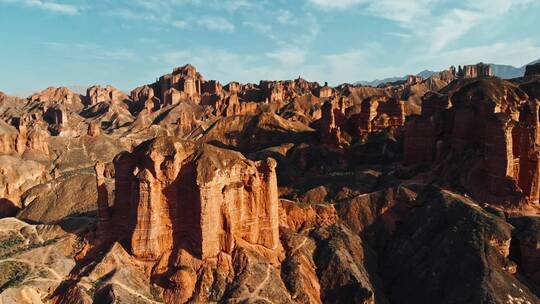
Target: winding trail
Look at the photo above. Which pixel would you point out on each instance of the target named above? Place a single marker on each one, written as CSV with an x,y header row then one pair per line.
x,y
132,291
254,295
299,246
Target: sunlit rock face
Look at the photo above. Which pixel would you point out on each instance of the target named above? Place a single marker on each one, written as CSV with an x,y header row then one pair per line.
x,y
199,198
110,94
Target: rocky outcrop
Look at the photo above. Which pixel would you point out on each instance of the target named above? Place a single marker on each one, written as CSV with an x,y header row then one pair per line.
x,y
109,94
8,138
32,138
228,198
478,70
197,199
325,91
525,245
183,79
484,116
97,94
17,176
60,198
532,70
434,102
172,194
331,121
529,151
53,95
419,267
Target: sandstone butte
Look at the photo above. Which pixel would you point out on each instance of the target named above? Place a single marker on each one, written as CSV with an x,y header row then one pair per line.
x,y
189,191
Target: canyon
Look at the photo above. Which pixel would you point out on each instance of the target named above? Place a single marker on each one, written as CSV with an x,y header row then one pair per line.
x,y
186,190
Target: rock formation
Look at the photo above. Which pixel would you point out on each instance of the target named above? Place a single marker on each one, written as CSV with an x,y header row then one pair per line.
x,y
288,191
508,170
532,70
97,94
478,70
332,119
191,199
184,79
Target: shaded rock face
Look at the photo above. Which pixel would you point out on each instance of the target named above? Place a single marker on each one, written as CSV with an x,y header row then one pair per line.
x,y
478,70
419,267
501,124
525,249
376,114
532,70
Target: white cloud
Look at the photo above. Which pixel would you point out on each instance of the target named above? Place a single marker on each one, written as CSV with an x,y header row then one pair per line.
x,y
50,6
173,58
451,27
516,53
179,24
437,23
285,17
336,4
87,50
402,12
289,56
282,63
216,24
258,26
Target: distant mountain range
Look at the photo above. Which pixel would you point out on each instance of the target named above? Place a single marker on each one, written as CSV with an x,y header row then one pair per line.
x,y
500,70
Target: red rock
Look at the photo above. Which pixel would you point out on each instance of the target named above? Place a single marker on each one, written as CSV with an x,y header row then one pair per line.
x,y
8,138
97,94
232,87
499,157
367,114
529,153
94,129
433,102
420,139
212,87
331,121
478,70
325,91
52,94
185,79
104,217
302,217
239,194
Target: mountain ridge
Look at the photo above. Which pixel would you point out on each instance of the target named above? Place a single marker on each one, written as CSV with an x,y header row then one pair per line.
x,y
504,71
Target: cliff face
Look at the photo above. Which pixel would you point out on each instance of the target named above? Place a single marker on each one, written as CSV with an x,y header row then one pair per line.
x,y
175,196
341,124
482,116
532,70
198,198
477,70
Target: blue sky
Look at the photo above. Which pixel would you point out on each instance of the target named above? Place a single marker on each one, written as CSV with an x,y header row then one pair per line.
x,y
128,43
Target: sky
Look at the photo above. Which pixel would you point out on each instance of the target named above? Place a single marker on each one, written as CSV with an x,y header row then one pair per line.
x,y
128,43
